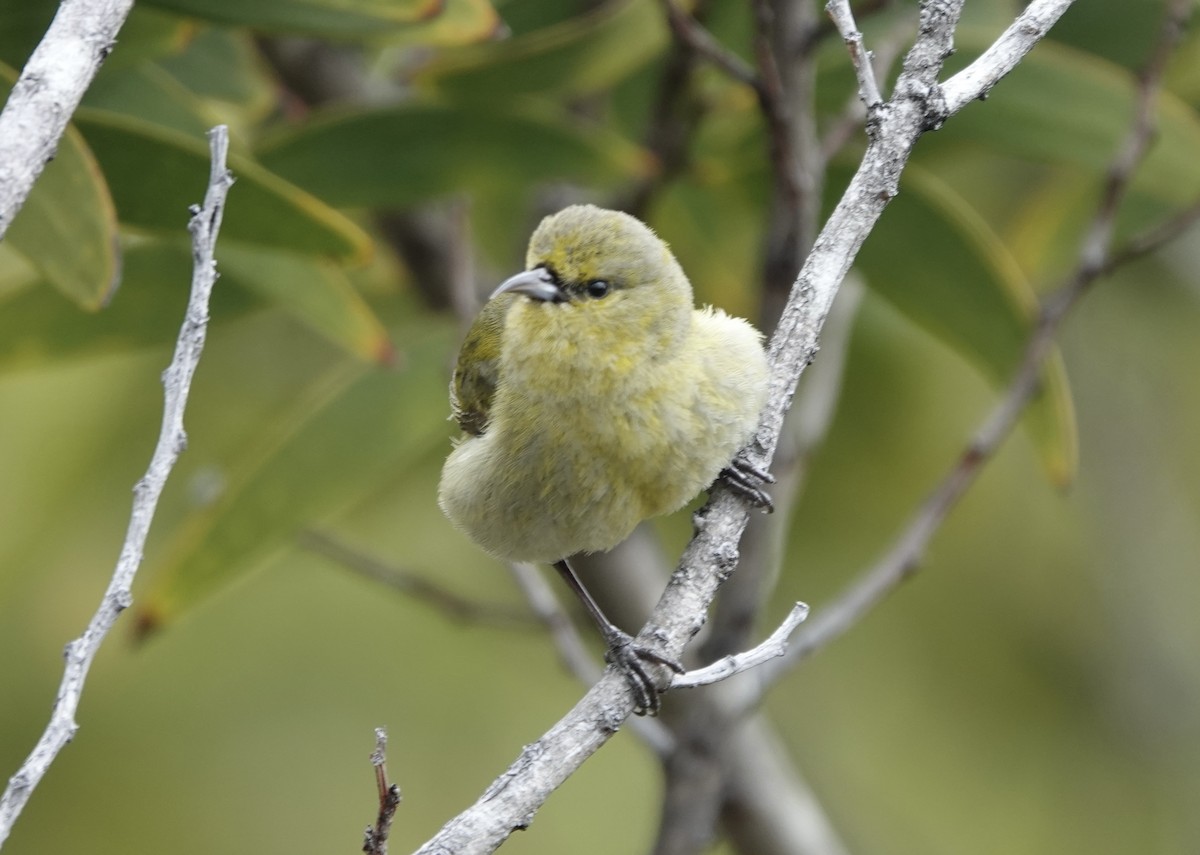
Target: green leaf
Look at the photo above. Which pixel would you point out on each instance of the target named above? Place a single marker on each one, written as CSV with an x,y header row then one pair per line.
x,y
314,290
326,18
155,174
146,33
1064,106
1104,29
579,56
16,274
353,429
938,262
1183,69
149,34
67,229
22,25
146,92
457,22
224,65
37,326
406,154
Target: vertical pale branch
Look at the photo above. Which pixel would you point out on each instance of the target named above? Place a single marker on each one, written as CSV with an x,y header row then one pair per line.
x,y
48,91
860,57
177,380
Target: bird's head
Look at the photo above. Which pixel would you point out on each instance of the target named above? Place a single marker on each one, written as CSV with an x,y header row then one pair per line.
x,y
604,277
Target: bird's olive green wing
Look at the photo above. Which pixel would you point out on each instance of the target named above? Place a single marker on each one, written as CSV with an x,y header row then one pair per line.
x,y
478,370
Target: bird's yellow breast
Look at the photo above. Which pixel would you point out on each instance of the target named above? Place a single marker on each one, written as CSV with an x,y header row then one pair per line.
x,y
592,429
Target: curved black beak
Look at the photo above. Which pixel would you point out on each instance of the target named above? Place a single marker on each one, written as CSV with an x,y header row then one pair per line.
x,y
537,284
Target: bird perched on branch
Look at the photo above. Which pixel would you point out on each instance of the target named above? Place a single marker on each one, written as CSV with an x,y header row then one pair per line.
x,y
592,395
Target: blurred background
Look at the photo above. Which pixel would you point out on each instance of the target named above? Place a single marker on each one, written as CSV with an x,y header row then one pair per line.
x,y
1035,688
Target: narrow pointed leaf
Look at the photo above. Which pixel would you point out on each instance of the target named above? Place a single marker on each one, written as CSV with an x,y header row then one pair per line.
x,y
222,64
326,18
155,174
67,229
355,428
935,259
580,56
1065,106
458,22
147,93
314,290
401,155
38,326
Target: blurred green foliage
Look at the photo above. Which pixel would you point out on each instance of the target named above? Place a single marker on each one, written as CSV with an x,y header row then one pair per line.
x,y
1037,692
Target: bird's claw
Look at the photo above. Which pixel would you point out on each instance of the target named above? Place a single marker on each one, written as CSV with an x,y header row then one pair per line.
x,y
746,479
629,658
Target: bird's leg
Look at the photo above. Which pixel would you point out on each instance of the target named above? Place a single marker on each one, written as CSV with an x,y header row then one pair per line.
x,y
622,652
746,479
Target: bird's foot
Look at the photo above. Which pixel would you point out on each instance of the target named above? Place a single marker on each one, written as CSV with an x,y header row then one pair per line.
x,y
746,479
630,659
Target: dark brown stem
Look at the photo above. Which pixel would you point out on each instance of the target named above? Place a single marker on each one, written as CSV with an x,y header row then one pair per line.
x,y
418,587
376,836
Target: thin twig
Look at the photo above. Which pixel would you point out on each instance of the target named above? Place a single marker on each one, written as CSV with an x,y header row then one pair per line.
x,y
977,79
826,27
860,57
692,33
727,666
1097,258
82,34
852,118
177,379
376,836
671,123
418,587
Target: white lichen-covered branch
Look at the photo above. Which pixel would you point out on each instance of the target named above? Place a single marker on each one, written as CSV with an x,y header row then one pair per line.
x,y
919,104
47,92
177,380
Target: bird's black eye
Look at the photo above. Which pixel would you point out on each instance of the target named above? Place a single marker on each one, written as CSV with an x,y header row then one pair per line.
x,y
598,288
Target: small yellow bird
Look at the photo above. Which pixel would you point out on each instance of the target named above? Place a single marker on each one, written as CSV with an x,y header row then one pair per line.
x,y
593,395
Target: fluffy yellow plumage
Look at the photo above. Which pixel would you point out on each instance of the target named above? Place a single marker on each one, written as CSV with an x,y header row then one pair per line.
x,y
599,411
593,395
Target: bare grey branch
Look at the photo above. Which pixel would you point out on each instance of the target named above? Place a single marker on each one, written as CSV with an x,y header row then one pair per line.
x,y
860,57
45,96
177,379
727,666
977,79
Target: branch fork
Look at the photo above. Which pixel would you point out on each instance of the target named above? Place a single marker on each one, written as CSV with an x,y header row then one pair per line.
x,y
860,57
727,666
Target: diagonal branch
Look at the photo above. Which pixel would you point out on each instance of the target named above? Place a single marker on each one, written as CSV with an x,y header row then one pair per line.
x,y
1096,259
177,380
918,105
46,94
860,57
977,79
416,586
692,33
